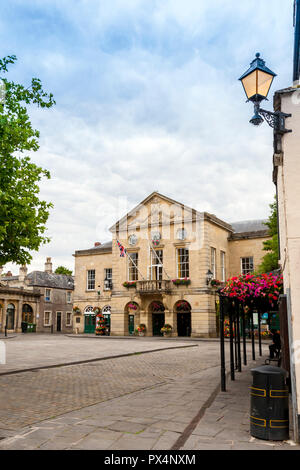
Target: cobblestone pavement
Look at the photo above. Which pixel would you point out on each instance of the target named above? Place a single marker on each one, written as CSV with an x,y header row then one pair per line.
x,y
29,397
40,350
145,401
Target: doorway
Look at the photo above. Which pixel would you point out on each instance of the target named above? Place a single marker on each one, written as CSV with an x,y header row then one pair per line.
x,y
10,317
58,322
106,311
184,323
158,321
89,323
131,324
27,313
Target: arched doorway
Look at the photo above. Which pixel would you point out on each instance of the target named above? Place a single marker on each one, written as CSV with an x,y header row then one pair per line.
x,y
184,318
27,313
131,311
10,317
89,320
106,312
157,310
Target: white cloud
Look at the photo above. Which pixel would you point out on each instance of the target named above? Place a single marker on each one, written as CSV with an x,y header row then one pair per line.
x,y
148,99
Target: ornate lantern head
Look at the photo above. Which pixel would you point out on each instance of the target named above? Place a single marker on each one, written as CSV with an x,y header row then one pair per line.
x,y
257,80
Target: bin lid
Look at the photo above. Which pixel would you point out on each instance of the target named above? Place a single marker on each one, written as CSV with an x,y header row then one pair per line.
x,y
269,370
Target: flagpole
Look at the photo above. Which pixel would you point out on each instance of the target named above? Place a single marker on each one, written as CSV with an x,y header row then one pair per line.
x,y
129,257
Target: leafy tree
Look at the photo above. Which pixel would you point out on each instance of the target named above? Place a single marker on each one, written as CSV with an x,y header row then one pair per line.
x,y
63,270
270,260
22,214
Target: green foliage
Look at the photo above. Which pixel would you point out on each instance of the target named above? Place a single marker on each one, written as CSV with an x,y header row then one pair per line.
x,y
22,214
63,270
270,260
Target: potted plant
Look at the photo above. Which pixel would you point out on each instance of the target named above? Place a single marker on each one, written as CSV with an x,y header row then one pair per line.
x,y
166,329
141,329
100,325
100,330
215,283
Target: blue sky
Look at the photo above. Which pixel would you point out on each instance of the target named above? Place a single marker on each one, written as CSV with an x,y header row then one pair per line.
x,y
147,99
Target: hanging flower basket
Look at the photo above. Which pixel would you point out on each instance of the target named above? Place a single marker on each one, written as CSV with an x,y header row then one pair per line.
x,y
129,284
133,306
97,310
76,310
183,306
181,282
156,307
260,291
215,283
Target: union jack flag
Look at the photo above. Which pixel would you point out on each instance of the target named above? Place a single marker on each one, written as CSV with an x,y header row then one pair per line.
x,y
122,249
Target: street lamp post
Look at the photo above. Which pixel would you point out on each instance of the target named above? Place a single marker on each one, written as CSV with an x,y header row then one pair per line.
x,y
257,81
6,324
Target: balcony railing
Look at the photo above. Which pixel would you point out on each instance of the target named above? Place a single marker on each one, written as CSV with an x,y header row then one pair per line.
x,y
148,287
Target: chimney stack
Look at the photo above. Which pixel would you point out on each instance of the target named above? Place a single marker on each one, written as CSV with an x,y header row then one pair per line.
x,y
48,266
22,272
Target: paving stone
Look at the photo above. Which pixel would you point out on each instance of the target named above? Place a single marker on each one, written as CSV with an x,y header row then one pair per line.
x,y
193,443
130,403
97,422
127,426
54,392
170,426
166,441
130,442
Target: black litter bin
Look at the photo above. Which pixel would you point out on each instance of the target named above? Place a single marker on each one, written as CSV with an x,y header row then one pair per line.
x,y
24,325
269,413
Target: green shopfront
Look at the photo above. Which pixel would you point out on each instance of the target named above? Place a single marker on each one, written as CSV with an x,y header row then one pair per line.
x,y
89,320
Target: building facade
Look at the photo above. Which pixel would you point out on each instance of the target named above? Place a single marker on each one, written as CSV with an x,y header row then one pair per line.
x,y
172,252
17,305
286,178
48,303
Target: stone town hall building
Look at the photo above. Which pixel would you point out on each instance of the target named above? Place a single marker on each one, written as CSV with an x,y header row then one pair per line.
x,y
163,278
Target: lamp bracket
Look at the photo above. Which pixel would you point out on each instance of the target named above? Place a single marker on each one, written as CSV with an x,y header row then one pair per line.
x,y
275,120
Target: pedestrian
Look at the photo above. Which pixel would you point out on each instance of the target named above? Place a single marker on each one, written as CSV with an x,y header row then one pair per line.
x,y
275,347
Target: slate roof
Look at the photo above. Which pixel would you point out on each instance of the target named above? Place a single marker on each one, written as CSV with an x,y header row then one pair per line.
x,y
249,229
103,248
249,225
9,278
44,279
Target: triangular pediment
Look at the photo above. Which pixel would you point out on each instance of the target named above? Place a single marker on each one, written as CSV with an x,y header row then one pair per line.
x,y
155,209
